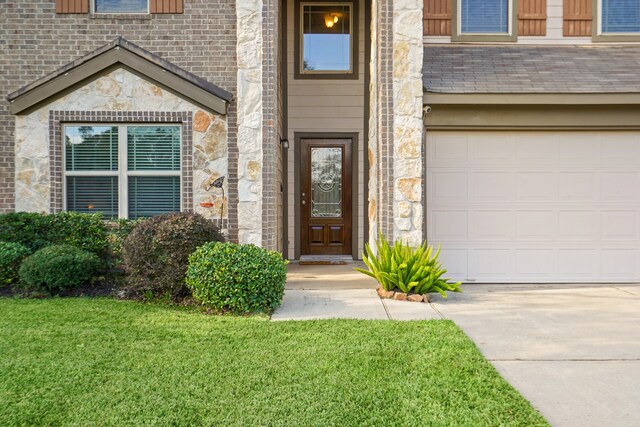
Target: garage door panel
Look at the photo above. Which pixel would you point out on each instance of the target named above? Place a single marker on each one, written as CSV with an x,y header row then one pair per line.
x,y
579,149
456,263
491,186
619,186
491,264
534,264
536,148
619,225
448,187
447,149
623,150
536,186
576,225
619,263
536,225
492,225
535,206
577,186
449,225
485,149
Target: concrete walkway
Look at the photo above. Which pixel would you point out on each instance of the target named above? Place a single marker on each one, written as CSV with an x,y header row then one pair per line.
x,y
340,292
573,351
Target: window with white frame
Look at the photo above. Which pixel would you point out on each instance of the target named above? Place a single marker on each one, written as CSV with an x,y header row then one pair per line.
x,y
619,16
484,16
127,171
121,6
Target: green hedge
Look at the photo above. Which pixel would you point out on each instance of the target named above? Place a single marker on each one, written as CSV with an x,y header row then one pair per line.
x,y
11,256
36,231
58,267
237,278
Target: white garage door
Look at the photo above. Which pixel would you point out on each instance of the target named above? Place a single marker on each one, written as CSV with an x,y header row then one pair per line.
x,y
535,206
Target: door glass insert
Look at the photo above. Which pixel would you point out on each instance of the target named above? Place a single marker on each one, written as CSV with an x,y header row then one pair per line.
x,y
326,182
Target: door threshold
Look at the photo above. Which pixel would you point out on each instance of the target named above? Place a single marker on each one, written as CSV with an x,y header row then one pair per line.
x,y
325,260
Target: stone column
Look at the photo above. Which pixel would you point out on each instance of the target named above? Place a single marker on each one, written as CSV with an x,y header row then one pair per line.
x,y
407,120
250,120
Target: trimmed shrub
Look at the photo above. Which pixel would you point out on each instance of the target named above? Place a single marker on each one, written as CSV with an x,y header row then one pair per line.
x,y
58,267
408,269
26,228
117,231
156,253
237,278
36,231
11,256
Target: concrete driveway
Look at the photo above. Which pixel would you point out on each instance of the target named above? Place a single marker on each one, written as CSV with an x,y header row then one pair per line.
x,y
573,351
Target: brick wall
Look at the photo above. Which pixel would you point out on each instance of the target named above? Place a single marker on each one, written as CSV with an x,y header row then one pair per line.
x,y
35,41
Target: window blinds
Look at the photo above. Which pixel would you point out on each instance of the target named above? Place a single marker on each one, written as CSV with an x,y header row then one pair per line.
x,y
153,148
620,16
484,16
149,196
121,6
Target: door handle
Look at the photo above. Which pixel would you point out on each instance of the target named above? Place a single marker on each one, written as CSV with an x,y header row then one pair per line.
x,y
304,203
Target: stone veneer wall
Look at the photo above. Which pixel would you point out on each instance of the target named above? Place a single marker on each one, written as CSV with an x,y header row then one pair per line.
x,y
250,120
408,125
125,96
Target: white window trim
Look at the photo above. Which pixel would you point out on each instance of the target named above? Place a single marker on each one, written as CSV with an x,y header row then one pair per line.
x,y
93,10
599,23
509,22
122,173
352,5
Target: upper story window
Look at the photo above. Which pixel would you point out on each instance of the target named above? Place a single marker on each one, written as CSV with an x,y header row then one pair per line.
x,y
121,6
326,40
127,171
484,17
619,17
483,20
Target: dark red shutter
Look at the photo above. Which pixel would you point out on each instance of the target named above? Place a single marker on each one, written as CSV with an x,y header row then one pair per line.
x,y
166,6
72,6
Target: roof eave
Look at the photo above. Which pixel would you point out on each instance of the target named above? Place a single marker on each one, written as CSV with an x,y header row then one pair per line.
x,y
122,53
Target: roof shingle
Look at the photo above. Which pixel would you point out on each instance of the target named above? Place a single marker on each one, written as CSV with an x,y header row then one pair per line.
x,y
531,69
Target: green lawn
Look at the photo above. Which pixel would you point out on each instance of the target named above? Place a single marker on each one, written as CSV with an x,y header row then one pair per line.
x,y
106,362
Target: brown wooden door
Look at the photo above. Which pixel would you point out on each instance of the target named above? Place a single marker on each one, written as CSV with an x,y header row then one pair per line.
x,y
325,197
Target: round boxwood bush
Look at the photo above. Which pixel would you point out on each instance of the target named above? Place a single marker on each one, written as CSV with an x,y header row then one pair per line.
x,y
156,253
11,256
237,278
58,267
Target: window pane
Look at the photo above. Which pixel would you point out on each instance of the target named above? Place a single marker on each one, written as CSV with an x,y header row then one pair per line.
x,y
326,182
121,6
153,148
91,194
91,148
326,37
149,196
620,16
484,16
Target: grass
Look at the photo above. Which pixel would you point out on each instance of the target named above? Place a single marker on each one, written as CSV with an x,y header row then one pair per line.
x,y
105,362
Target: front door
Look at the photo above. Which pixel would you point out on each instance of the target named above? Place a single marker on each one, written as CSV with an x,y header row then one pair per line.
x,y
325,199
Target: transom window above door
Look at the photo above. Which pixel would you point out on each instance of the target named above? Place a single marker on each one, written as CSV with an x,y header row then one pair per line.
x,y
126,171
325,44
120,6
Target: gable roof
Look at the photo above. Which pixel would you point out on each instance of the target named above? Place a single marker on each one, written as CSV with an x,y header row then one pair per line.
x,y
521,69
121,52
